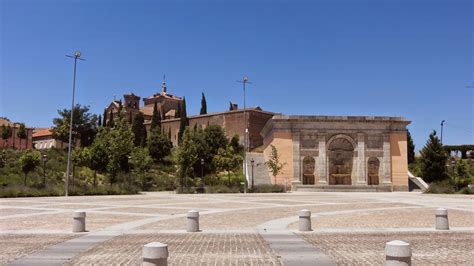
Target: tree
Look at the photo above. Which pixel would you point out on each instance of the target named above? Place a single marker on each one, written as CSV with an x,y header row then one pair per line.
x,y
433,160
84,125
3,159
28,162
120,144
156,117
139,130
461,175
186,156
274,163
234,143
21,134
411,148
227,160
6,133
215,138
183,122
99,121
97,153
203,105
141,163
111,122
159,146
104,119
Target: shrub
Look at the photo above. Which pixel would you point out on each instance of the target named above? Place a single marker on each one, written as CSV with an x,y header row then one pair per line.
x,y
222,189
268,189
441,187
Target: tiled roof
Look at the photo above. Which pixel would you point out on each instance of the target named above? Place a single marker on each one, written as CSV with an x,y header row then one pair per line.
x,y
166,95
41,132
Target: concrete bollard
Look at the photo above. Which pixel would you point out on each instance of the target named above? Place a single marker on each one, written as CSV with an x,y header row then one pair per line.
x,y
155,253
442,219
305,220
398,253
79,222
192,224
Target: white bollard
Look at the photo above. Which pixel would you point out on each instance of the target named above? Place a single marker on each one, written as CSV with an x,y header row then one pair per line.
x,y
155,253
398,253
192,224
78,222
442,219
305,220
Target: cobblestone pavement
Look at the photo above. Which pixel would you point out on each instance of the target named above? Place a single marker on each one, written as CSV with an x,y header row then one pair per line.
x,y
14,246
230,221
185,249
435,248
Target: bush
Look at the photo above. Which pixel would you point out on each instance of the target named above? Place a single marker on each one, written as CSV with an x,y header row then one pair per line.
x,y
441,187
20,191
466,190
222,189
268,189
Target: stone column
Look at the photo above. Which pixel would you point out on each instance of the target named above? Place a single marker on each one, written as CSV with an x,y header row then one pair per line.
x,y
361,169
386,162
321,163
296,158
155,253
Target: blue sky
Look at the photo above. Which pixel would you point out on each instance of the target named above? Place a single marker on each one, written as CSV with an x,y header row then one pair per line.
x,y
393,57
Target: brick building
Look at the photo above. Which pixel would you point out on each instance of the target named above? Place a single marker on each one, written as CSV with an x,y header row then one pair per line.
x,y
43,139
14,142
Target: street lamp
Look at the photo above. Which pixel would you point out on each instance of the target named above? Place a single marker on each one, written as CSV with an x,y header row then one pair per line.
x,y
45,160
202,169
76,56
245,81
252,162
129,158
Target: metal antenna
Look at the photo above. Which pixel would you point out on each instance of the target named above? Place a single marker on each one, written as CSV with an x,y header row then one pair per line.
x,y
245,81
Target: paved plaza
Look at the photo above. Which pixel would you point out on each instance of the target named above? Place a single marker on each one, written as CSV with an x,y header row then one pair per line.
x,y
236,229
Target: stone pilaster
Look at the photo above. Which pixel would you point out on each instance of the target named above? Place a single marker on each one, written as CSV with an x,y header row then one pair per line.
x,y
361,169
386,162
296,157
321,163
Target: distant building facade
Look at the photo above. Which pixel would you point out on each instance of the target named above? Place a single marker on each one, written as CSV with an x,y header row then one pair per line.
x,y
43,139
14,142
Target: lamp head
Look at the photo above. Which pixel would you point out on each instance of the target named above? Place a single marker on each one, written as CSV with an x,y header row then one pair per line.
x,y
77,54
246,78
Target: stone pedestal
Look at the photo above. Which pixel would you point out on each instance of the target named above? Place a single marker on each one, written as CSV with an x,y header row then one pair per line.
x,y
442,219
192,223
304,220
398,253
79,222
155,253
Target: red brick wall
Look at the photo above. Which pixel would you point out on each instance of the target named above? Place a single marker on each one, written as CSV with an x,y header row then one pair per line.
x,y
14,140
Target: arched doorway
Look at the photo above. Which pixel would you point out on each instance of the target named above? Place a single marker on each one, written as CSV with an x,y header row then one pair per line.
x,y
308,170
373,165
340,156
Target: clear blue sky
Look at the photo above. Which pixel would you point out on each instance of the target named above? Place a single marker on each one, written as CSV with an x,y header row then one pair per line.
x,y
394,58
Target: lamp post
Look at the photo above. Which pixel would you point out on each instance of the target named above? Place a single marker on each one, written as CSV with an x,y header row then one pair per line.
x,y
442,124
202,169
453,167
76,56
129,158
45,160
252,162
245,81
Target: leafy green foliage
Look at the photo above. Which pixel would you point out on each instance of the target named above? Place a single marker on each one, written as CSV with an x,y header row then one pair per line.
x,y
410,148
203,110
119,146
159,145
433,160
274,163
227,160
84,125
156,118
183,122
139,130
141,163
3,159
6,133
28,162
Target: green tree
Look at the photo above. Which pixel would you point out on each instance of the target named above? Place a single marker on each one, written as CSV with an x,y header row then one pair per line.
x,y
120,146
215,138
227,160
111,122
21,134
203,105
141,164
99,121
104,119
3,159
97,153
139,130
159,146
411,148
433,160
183,122
29,160
461,177
234,143
186,156
84,125
156,117
6,133
274,163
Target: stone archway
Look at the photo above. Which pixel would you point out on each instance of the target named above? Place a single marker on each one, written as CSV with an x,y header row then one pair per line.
x,y
373,165
340,158
309,165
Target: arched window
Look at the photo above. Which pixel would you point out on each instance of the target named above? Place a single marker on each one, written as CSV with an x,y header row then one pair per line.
x,y
340,156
